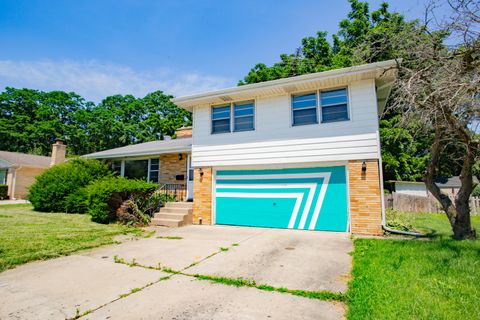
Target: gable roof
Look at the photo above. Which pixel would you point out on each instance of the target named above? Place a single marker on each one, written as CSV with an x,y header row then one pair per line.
x,y
145,149
23,159
383,72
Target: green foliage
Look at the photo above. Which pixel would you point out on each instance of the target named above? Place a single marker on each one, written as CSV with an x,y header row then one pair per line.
x,y
400,221
58,188
404,156
476,191
105,196
30,120
3,191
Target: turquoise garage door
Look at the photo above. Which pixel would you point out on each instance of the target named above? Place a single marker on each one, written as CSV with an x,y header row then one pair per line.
x,y
294,198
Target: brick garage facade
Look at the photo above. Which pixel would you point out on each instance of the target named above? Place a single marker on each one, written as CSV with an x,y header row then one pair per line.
x,y
364,191
171,167
202,195
365,198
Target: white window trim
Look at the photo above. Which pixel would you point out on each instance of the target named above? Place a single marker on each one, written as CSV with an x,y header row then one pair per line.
x,y
122,167
319,106
232,116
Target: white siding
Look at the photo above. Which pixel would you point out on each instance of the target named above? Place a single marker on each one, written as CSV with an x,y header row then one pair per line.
x,y
276,141
413,189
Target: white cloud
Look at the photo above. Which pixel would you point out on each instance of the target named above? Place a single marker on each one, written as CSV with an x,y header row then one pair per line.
x,y
94,80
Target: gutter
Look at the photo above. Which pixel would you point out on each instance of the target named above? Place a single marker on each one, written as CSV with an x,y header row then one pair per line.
x,y
382,196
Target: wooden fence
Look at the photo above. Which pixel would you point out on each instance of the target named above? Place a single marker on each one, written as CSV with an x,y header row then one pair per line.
x,y
409,203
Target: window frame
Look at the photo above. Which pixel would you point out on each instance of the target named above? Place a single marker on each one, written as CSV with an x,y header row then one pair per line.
x,y
347,95
232,116
318,100
292,111
122,167
211,118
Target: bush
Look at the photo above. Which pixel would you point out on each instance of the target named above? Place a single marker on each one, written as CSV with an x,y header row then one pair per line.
x,y
138,210
3,191
476,191
105,196
57,189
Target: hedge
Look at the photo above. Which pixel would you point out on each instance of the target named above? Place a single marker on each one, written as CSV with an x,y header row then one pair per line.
x,y
105,196
3,191
57,189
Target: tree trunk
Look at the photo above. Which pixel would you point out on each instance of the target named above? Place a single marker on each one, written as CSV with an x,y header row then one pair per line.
x,y
458,213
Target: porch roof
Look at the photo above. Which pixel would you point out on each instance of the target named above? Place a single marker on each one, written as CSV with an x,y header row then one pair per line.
x,y
145,149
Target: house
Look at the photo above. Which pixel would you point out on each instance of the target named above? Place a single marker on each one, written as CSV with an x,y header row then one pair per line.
x,y
167,162
300,153
18,170
449,186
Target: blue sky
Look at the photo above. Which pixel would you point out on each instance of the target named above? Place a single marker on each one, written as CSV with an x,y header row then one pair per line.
x,y
98,48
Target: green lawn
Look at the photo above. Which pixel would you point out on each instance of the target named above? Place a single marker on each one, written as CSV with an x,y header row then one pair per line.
x,y
435,278
26,235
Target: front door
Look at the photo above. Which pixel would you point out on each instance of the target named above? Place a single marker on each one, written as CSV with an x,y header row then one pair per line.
x,y
189,178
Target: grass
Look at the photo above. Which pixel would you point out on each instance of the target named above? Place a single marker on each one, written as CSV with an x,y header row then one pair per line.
x,y
26,235
170,237
435,278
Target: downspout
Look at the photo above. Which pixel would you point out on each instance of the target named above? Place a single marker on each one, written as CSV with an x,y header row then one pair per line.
x,y
382,196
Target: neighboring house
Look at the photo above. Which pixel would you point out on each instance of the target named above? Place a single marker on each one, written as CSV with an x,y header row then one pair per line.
x,y
300,153
18,170
167,162
449,186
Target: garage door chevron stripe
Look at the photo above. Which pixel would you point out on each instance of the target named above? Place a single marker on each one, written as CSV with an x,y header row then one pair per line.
x,y
253,186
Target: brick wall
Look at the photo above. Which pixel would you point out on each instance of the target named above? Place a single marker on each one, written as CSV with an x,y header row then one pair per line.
x,y
171,166
365,198
202,196
24,177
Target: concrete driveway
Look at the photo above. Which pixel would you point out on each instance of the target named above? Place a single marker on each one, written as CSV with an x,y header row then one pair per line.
x,y
91,285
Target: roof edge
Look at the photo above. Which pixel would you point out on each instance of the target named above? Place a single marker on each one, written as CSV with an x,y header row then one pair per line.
x,y
182,101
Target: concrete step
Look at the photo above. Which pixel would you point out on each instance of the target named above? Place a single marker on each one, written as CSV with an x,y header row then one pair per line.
x,y
176,210
172,223
175,216
188,205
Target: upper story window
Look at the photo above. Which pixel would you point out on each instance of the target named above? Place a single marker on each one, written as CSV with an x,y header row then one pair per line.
x,y
333,107
221,119
243,118
334,104
304,108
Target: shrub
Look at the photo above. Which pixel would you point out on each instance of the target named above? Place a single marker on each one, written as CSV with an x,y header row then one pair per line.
x,y
476,191
3,191
57,189
105,196
139,209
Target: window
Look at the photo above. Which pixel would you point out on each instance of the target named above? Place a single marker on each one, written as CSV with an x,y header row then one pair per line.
x,y
154,169
334,105
136,169
304,108
117,167
221,119
190,169
243,113
3,176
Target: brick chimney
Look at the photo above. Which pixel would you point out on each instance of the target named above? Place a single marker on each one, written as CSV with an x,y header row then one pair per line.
x,y
184,132
58,152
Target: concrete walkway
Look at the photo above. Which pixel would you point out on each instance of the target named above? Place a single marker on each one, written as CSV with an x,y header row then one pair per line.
x,y
93,286
5,202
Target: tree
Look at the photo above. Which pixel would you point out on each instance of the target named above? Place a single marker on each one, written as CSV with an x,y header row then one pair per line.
x,y
30,120
438,87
